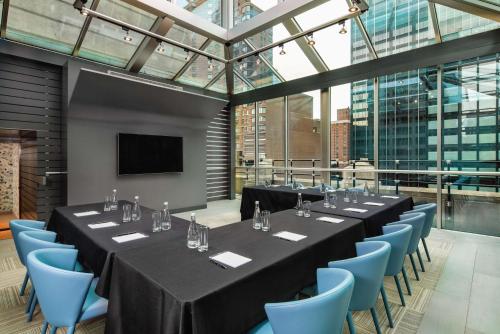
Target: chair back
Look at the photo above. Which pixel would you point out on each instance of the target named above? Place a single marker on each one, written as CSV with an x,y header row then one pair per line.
x,y
417,221
399,237
61,292
32,240
20,225
368,269
324,313
430,213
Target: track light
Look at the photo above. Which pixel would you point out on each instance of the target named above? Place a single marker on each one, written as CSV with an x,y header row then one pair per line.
x,y
310,40
84,11
127,37
353,9
210,64
187,54
282,52
161,48
343,30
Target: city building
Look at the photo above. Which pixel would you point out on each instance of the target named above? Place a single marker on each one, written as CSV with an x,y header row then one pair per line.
x,y
341,137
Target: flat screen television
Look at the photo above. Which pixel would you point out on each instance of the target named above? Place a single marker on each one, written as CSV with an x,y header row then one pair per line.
x,y
147,154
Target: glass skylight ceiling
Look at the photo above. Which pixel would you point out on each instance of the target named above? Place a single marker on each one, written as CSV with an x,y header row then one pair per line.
x,y
392,27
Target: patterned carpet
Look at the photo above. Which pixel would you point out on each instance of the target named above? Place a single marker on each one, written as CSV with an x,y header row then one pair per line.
x,y
406,319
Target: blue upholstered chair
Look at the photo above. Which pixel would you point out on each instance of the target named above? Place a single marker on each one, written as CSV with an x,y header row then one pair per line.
x,y
17,226
417,221
368,269
66,297
399,238
326,187
430,213
324,313
30,241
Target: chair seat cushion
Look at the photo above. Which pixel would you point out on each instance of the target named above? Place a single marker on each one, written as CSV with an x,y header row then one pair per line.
x,y
94,305
262,328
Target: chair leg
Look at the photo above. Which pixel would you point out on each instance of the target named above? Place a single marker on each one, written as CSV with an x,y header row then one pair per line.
x,y
53,329
387,307
420,260
71,330
350,323
44,327
414,267
426,250
375,320
32,308
400,291
30,300
25,282
407,281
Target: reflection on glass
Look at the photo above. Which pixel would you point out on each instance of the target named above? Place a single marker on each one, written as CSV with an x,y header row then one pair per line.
x,y
362,120
52,24
202,70
106,43
244,10
165,64
220,85
207,9
240,86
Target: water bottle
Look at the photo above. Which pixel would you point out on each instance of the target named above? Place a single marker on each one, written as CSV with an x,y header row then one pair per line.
x,y
166,221
256,223
366,190
300,206
193,235
114,201
326,200
136,210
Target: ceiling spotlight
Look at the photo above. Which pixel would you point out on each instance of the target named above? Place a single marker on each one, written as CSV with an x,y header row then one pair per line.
x,y
127,37
343,30
282,51
84,11
241,66
210,64
353,9
310,39
257,61
161,48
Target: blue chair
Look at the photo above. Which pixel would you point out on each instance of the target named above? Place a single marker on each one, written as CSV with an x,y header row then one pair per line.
x,y
430,213
17,226
30,241
399,238
66,296
324,313
417,221
368,269
358,190
326,187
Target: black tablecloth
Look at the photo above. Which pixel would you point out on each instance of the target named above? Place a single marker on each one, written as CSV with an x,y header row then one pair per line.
x,y
376,216
96,248
168,288
273,198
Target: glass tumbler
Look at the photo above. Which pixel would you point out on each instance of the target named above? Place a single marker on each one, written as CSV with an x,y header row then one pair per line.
x,y
266,224
333,200
127,213
156,221
354,197
307,208
107,203
203,247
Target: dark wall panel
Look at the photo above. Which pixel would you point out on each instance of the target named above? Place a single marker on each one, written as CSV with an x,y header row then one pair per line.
x,y
30,99
218,152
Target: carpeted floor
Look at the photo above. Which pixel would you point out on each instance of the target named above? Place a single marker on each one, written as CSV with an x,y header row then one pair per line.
x,y
407,319
5,218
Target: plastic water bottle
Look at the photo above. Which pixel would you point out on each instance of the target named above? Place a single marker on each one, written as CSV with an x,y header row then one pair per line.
x,y
193,235
366,190
136,210
256,223
166,221
300,206
114,201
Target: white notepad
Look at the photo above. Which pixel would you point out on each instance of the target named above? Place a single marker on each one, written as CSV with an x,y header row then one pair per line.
x,y
86,213
330,220
102,225
230,259
289,236
374,203
129,237
387,196
355,210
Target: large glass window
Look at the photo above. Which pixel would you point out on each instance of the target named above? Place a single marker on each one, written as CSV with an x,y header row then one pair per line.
x,y
362,120
207,9
246,9
244,145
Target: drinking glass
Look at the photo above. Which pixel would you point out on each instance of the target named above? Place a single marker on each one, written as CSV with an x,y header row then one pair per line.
x,y
267,183
346,196
127,213
333,200
107,203
203,247
266,224
156,221
307,208
354,197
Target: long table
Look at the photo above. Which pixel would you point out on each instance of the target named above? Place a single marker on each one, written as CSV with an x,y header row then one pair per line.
x,y
168,288
96,248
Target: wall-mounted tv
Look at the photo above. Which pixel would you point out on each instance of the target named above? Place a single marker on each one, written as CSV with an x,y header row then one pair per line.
x,y
146,154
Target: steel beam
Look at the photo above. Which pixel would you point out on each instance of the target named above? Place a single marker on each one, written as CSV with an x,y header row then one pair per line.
x,y
228,68
435,22
5,15
182,18
242,78
364,33
190,61
148,45
214,79
265,61
309,51
485,9
83,31
477,45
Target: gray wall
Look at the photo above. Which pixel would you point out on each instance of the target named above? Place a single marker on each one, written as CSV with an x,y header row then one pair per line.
x,y
92,158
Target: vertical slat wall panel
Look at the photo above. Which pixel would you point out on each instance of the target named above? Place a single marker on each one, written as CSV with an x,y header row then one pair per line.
x,y
218,150
31,99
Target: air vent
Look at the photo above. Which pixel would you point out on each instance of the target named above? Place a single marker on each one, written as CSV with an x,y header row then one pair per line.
x,y
139,79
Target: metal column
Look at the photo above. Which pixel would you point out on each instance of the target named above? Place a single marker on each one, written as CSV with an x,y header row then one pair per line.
x,y
375,130
439,154
325,105
285,147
